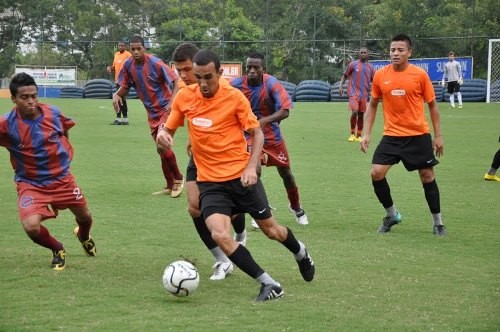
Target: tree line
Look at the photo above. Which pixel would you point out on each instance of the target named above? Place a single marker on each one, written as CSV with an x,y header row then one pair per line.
x,y
301,39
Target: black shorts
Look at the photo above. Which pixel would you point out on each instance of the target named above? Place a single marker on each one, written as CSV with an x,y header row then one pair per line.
x,y
230,198
191,171
414,151
453,87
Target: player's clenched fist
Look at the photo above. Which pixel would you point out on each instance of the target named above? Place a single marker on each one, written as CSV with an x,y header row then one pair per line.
x,y
164,140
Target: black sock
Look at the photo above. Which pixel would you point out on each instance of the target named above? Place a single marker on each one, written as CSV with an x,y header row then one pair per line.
x,y
496,160
431,191
204,233
383,192
242,258
291,242
238,222
124,108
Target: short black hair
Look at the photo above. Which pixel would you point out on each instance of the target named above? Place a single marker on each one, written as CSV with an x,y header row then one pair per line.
x,y
402,37
256,55
136,39
185,51
19,80
205,56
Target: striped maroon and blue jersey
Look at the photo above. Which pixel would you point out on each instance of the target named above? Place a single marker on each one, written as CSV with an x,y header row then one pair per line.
x,y
153,81
266,99
40,153
361,74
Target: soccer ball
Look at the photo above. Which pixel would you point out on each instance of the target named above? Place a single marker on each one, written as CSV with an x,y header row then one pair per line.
x,y
181,278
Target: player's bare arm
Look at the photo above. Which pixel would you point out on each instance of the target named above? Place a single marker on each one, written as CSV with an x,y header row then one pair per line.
x,y
437,144
118,97
275,117
249,176
370,115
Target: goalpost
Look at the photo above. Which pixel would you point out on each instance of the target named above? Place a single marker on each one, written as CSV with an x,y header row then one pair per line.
x,y
493,83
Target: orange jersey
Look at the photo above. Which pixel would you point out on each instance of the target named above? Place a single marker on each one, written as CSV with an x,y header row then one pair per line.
x,y
216,128
118,62
403,95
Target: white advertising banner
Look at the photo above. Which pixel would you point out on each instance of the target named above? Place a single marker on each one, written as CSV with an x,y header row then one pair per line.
x,y
51,76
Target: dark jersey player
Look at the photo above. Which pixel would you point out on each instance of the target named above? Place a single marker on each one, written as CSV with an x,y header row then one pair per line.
x,y
271,103
155,83
36,136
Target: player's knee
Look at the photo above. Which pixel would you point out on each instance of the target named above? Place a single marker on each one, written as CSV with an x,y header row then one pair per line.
x,y
221,238
376,174
426,175
285,173
32,227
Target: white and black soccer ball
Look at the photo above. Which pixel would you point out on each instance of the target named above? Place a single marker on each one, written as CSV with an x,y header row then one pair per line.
x,y
181,278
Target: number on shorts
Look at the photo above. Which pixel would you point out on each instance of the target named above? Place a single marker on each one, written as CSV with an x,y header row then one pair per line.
x,y
78,194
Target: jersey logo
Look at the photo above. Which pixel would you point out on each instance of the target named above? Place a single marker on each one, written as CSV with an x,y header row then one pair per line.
x,y
53,137
25,201
152,80
201,122
398,92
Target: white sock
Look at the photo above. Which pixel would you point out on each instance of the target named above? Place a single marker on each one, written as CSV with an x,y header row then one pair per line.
x,y
436,218
265,278
459,96
302,252
452,99
240,236
391,211
219,255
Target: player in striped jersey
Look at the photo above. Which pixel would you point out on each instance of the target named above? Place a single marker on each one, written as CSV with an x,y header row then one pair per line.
x,y
271,103
155,83
36,136
360,74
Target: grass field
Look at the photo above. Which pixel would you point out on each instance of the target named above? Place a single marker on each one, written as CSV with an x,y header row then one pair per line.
x,y
407,280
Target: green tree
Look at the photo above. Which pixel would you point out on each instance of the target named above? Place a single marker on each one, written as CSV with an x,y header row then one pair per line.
x,y
216,24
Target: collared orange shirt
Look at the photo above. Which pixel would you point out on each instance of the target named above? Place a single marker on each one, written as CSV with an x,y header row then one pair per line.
x,y
118,62
403,95
216,128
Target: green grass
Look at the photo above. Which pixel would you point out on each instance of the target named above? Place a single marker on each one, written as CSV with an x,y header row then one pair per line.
x,y
407,280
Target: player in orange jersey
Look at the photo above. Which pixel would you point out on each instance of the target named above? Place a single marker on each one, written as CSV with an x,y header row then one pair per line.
x,y
183,62
227,173
404,88
120,56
